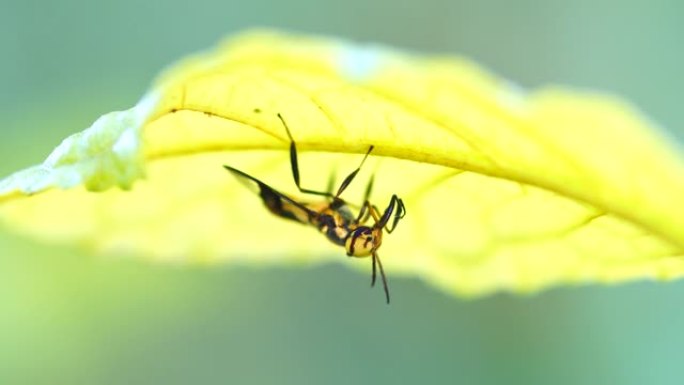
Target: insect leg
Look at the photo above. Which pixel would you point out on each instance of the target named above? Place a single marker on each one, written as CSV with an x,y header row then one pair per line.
x,y
399,214
369,188
364,213
331,182
295,164
382,275
351,176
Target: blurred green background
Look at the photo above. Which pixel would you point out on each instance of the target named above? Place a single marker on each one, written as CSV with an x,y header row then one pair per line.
x,y
67,317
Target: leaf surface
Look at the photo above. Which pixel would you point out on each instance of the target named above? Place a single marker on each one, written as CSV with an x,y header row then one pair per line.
x,y
505,189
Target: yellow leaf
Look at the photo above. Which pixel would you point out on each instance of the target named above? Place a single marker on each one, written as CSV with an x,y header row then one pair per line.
x,y
505,189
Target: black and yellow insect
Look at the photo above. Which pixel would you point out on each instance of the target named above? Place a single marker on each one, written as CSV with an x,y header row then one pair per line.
x,y
333,216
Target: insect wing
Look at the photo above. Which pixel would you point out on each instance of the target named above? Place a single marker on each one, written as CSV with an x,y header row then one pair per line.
x,y
277,202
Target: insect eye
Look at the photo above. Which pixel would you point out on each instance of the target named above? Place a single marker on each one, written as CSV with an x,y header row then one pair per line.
x,y
361,232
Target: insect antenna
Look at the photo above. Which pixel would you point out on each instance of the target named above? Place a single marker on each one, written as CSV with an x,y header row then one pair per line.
x,y
382,275
373,273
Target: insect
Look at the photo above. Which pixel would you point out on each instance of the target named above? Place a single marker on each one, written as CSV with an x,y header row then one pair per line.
x,y
333,216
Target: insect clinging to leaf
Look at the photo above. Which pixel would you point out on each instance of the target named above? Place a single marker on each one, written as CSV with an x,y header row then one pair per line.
x,y
333,216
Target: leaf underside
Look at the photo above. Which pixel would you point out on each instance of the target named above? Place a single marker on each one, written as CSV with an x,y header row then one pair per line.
x,y
505,189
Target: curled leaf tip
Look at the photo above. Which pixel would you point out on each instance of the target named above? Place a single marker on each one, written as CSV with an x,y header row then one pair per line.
x,y
106,154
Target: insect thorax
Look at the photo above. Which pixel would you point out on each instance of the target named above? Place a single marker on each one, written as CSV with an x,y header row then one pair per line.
x,y
335,224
